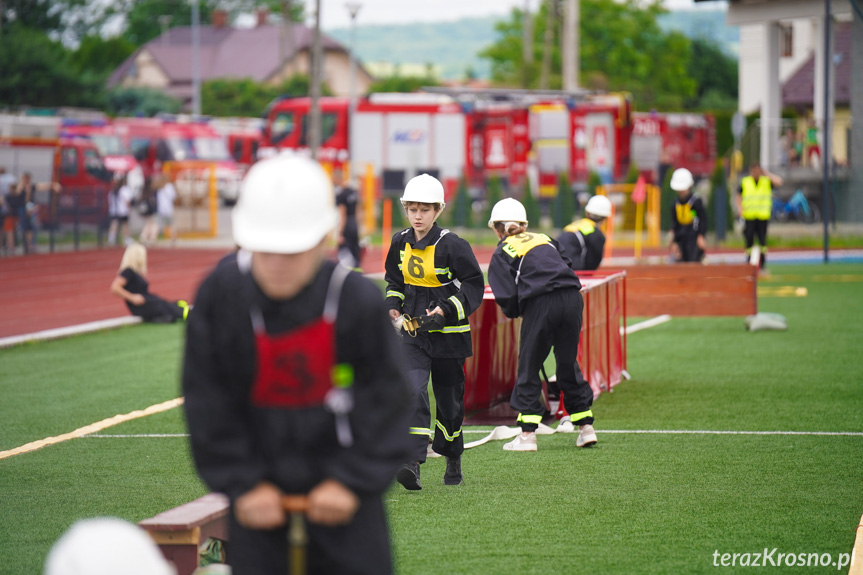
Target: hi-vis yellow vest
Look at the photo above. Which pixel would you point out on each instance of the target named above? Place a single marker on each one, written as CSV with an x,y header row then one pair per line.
x,y
757,198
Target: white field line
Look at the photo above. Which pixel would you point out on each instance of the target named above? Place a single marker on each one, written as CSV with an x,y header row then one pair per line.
x,y
93,427
660,319
68,331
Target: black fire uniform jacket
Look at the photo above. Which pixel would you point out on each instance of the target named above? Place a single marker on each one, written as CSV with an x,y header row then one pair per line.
x,y
236,444
439,270
583,243
516,276
688,221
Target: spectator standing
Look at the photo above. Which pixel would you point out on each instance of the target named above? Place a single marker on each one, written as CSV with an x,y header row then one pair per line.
x,y
293,384
120,200
23,199
147,207
347,199
165,198
532,279
688,220
432,274
754,204
7,181
583,241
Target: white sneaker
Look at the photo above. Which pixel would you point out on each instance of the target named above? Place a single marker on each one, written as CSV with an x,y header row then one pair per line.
x,y
586,437
525,441
565,426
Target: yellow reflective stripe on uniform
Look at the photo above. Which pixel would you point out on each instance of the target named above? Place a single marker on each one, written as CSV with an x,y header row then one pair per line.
x,y
452,329
585,225
537,419
443,272
420,431
446,435
458,306
393,293
519,244
581,415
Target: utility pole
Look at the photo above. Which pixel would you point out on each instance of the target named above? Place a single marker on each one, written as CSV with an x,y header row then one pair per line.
x,y
526,45
315,85
571,36
353,10
547,42
196,59
286,35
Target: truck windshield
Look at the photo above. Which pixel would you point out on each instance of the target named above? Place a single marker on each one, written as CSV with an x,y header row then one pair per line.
x,y
110,145
209,149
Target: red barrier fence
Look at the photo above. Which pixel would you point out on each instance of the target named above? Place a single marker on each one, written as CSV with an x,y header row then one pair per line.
x,y
491,372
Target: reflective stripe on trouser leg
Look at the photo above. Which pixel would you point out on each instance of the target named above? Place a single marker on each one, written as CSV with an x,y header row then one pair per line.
x,y
419,368
447,378
576,393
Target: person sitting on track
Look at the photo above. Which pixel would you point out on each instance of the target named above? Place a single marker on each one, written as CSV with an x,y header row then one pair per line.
x,y
131,286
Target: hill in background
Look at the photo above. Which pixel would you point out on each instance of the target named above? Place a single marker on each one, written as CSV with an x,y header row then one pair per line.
x,y
453,46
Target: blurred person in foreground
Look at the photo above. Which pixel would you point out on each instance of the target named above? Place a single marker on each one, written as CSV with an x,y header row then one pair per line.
x,y
583,241
106,546
292,384
532,279
688,220
131,285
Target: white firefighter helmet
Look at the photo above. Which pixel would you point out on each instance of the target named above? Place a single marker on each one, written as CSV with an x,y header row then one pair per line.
x,y
681,180
286,206
598,206
425,189
508,210
106,546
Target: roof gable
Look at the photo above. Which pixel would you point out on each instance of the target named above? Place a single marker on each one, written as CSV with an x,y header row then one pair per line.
x,y
799,89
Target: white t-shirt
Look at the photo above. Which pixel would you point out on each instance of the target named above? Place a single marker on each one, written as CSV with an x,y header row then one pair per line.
x,y
165,200
119,206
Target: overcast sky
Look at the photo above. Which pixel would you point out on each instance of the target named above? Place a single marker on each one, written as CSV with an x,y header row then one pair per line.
x,y
335,14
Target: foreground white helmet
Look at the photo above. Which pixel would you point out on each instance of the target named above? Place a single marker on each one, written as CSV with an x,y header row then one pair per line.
x,y
598,206
508,210
286,206
106,546
425,189
681,180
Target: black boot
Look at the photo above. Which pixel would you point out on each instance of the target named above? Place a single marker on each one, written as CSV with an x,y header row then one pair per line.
x,y
452,476
409,476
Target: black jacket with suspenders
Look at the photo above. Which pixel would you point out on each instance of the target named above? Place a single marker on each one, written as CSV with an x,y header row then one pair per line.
x,y
583,243
439,270
515,276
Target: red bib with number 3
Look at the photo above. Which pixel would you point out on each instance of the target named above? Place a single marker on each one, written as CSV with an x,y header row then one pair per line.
x,y
294,368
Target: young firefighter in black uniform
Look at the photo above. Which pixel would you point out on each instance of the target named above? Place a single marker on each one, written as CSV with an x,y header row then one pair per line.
x,y
583,241
531,278
293,384
431,271
688,220
349,234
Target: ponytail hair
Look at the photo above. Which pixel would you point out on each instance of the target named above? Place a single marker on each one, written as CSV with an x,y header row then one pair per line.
x,y
510,228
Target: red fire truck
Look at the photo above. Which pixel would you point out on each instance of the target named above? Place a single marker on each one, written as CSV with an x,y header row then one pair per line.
x,y
678,140
115,151
154,141
34,145
516,136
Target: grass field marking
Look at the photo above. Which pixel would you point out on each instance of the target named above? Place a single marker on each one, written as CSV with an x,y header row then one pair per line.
x,y
133,435
658,320
93,427
782,291
729,432
71,330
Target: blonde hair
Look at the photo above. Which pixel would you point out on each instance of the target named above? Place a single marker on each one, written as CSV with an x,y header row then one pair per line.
x,y
135,258
510,228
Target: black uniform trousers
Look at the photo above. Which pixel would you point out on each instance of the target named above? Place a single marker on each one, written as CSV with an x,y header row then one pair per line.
x,y
753,229
447,375
551,320
157,310
351,245
359,548
689,250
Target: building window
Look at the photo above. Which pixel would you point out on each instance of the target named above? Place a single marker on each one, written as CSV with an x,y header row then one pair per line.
x,y
786,40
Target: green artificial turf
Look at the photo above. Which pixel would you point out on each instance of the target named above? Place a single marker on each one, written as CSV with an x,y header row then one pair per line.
x,y
638,503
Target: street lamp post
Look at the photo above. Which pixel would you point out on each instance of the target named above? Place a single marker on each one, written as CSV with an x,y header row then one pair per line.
x,y
196,59
353,10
